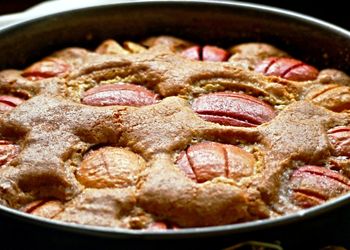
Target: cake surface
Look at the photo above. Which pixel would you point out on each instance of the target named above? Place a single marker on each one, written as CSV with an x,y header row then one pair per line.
x,y
168,134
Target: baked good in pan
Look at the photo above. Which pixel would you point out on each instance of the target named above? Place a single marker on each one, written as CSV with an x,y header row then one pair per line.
x,y
169,134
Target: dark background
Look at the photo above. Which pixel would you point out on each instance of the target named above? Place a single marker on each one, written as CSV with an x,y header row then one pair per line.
x,y
334,12
333,229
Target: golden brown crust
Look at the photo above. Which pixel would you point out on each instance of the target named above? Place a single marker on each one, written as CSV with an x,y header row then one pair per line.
x,y
100,207
248,55
70,152
177,198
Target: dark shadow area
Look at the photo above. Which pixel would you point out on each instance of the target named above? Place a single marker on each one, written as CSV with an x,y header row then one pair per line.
x,y
334,12
7,7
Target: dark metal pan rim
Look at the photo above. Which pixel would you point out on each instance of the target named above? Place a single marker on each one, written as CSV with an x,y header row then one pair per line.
x,y
252,6
190,232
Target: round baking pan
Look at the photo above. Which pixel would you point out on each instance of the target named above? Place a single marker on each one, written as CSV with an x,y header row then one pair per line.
x,y
220,23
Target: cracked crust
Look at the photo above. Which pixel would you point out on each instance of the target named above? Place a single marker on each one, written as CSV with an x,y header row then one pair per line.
x,y
56,133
